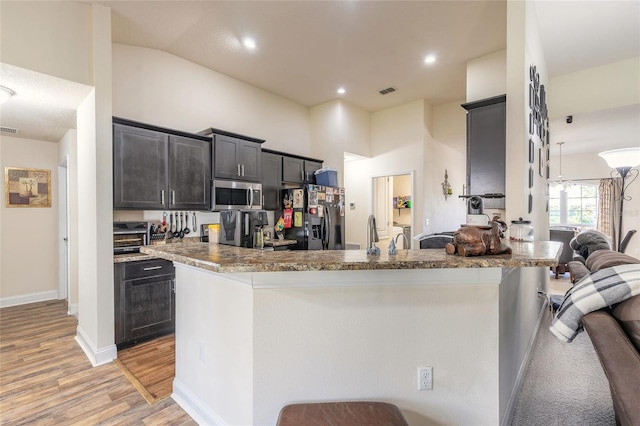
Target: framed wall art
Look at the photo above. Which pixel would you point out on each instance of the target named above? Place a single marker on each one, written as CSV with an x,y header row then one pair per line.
x,y
27,187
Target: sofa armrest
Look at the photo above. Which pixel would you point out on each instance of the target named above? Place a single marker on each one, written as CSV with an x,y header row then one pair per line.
x,y
577,270
620,361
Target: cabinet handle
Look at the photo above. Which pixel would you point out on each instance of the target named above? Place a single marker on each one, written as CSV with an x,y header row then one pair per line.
x,y
242,167
239,170
162,197
302,175
152,268
173,197
173,285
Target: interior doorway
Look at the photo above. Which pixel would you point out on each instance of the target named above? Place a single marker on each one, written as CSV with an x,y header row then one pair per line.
x,y
63,232
392,201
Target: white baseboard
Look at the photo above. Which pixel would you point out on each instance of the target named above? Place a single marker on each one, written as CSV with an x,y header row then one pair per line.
x,y
523,369
194,407
96,356
23,299
73,309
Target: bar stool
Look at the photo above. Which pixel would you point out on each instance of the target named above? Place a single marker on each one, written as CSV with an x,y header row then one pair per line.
x,y
356,413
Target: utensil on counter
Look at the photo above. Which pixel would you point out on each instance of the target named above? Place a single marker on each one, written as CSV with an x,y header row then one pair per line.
x,y
186,223
195,224
164,223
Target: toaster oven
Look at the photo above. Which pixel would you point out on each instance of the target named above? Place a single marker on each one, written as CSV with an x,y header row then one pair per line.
x,y
128,237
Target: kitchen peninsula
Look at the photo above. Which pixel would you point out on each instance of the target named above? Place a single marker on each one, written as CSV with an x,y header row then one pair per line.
x,y
256,330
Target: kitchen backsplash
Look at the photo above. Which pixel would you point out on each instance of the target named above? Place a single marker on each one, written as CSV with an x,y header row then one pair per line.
x,y
155,217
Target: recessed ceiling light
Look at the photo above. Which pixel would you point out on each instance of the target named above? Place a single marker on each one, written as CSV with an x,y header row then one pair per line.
x,y
5,94
249,43
429,59
341,90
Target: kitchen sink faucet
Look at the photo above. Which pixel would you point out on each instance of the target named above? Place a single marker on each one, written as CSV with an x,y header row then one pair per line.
x,y
405,242
372,236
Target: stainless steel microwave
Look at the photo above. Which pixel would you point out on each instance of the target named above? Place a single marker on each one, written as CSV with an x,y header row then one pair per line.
x,y
227,195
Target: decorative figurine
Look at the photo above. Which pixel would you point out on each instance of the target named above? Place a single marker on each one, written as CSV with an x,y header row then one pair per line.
x,y
392,248
478,241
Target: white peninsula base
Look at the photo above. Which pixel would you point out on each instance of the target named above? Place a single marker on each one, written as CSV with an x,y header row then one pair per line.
x,y
249,343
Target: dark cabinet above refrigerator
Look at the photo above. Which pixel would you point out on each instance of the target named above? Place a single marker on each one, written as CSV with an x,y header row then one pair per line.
x,y
486,148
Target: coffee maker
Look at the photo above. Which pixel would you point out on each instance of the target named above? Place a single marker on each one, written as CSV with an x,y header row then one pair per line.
x,y
475,211
243,228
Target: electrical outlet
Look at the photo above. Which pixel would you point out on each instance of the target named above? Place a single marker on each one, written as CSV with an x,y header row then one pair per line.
x,y
425,378
201,351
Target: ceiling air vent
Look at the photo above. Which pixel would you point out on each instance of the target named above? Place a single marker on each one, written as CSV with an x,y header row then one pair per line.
x,y
11,130
387,90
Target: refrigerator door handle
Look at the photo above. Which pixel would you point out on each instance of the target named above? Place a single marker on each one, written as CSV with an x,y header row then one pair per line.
x,y
327,229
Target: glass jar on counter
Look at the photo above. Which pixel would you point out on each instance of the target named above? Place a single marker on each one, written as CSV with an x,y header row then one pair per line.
x,y
521,230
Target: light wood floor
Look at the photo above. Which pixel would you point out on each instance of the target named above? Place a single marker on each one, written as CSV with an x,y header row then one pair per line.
x,y
45,378
151,366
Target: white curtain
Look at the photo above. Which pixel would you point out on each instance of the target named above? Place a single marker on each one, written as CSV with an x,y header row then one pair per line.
x,y
606,209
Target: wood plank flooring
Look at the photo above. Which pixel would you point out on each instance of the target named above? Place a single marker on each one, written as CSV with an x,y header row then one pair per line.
x,y
45,378
151,366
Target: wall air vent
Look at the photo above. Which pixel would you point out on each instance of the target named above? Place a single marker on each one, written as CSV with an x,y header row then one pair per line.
x,y
387,90
11,130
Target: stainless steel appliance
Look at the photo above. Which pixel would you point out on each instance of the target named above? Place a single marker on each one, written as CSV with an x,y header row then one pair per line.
x,y
128,237
227,194
242,228
314,216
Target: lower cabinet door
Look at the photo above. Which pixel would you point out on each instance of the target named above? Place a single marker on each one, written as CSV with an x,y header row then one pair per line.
x,y
149,307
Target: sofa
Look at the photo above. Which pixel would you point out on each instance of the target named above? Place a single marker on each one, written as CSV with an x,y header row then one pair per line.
x,y
615,334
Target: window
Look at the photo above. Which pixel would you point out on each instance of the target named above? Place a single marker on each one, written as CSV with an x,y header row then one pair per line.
x,y
577,205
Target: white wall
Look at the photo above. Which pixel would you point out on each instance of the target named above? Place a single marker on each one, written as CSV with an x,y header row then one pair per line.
x,y
523,49
595,89
486,76
53,38
401,142
336,127
450,125
68,149
95,202
158,88
29,262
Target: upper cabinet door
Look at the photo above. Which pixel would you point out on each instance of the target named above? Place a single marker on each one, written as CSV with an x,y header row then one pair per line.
x,y
237,159
226,164
309,170
189,173
250,155
271,181
486,149
292,170
139,168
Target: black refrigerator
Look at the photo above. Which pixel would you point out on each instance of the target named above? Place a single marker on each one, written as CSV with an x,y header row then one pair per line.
x,y
314,216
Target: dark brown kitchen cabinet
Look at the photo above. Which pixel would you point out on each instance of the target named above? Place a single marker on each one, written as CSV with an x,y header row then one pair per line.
x,y
486,149
236,158
189,173
309,170
155,168
139,168
144,300
271,181
298,170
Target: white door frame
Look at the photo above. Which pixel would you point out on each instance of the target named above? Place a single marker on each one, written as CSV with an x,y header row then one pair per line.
x,y
63,230
372,189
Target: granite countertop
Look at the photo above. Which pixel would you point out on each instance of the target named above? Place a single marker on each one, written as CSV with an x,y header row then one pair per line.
x,y
134,257
229,259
